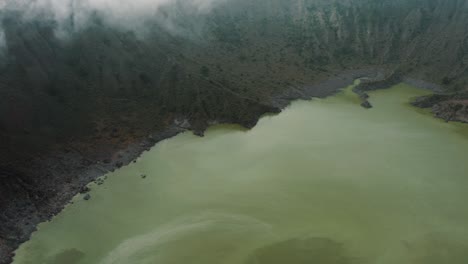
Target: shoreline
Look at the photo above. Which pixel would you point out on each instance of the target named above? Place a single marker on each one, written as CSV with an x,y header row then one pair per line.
x,y
96,169
384,82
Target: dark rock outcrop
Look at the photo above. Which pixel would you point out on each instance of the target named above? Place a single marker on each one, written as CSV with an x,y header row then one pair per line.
x,y
450,107
366,104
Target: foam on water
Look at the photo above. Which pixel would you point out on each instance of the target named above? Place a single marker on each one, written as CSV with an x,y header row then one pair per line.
x,y
163,244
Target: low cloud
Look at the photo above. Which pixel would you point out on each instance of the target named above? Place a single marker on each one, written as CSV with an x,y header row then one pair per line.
x,y
126,14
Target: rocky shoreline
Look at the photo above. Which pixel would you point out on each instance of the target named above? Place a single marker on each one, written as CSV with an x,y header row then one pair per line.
x,y
70,170
23,218
20,220
449,107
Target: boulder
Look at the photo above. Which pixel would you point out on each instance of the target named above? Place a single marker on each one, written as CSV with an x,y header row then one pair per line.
x,y
84,189
366,104
119,164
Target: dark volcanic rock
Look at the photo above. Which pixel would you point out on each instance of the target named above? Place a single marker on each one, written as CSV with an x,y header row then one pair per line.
x,y
199,133
85,189
87,197
450,107
452,111
366,104
364,96
430,100
380,82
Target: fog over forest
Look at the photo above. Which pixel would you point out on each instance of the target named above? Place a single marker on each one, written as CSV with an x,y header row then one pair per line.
x,y
76,14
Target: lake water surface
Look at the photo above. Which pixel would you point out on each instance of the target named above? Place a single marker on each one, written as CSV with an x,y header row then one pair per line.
x,y
324,182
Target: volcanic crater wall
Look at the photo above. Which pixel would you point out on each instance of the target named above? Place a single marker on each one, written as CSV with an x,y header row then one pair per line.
x,y
75,93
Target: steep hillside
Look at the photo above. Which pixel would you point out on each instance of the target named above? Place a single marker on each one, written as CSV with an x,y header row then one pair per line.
x,y
77,104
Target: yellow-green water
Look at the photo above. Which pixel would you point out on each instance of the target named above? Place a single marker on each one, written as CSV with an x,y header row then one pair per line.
x,y
324,182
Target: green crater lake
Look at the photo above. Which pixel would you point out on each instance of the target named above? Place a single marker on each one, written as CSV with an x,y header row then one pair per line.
x,y
324,182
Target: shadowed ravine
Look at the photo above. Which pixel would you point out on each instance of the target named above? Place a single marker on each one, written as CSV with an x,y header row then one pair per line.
x,y
326,181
